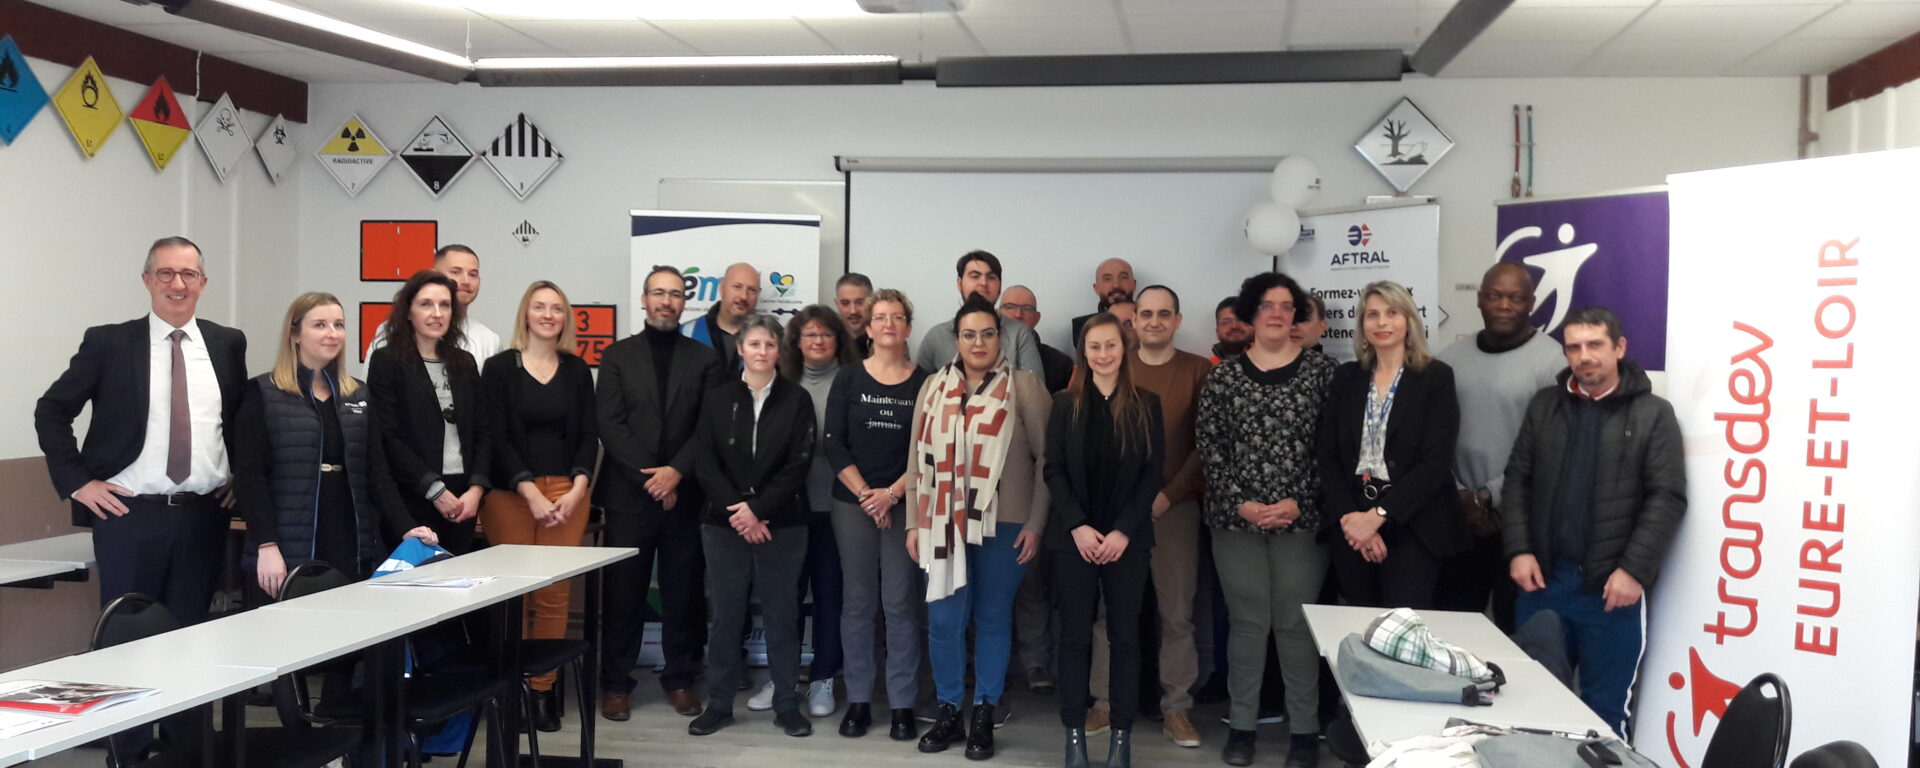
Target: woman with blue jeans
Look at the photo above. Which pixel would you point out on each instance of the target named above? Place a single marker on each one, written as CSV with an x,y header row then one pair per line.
x,y
974,522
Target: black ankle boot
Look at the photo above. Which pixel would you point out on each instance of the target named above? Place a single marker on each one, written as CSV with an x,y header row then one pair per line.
x,y
1239,747
546,710
1076,748
980,732
1120,748
947,728
859,716
905,728
1304,751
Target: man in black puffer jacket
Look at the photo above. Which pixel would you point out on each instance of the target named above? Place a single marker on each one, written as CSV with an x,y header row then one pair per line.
x,y
1595,489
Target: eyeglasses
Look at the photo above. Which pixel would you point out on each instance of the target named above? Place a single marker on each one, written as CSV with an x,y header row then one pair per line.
x,y
665,293
1009,306
1268,308
972,337
812,337
187,276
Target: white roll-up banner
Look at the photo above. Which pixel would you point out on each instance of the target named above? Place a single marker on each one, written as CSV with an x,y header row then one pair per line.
x,y
1339,253
784,248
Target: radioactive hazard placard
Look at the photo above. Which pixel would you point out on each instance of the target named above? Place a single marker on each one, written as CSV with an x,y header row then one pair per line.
x,y
222,138
353,155
21,95
87,106
275,147
160,123
436,156
522,156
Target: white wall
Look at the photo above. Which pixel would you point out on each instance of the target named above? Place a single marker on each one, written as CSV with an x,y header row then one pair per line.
x,y
1593,135
77,230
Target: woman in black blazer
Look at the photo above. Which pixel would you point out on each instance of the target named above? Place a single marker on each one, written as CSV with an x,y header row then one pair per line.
x,y
540,400
755,445
1386,455
1104,452
426,391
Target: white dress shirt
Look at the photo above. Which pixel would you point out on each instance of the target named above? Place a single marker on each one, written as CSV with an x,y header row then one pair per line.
x,y
480,341
209,469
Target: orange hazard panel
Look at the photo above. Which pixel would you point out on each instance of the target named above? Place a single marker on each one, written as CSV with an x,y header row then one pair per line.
x,y
372,314
594,325
392,251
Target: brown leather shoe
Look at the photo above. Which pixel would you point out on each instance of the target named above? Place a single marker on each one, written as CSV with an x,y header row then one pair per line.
x,y
684,702
1180,730
1098,719
614,705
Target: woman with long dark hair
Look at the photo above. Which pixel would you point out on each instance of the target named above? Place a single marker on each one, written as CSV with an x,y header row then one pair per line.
x,y
1105,442
426,391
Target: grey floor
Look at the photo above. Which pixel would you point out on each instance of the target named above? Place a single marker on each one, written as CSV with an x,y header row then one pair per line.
x,y
656,736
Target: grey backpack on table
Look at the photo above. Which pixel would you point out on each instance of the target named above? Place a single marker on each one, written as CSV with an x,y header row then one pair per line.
x,y
1367,672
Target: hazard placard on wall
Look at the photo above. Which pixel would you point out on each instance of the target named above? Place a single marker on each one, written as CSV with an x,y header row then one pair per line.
x,y
88,107
372,314
160,123
391,251
522,156
594,327
353,155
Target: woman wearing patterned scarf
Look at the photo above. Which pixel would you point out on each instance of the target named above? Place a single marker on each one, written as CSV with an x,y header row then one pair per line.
x,y
976,505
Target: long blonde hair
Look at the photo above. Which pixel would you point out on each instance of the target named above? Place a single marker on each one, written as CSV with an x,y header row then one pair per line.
x,y
286,363
1400,301
569,336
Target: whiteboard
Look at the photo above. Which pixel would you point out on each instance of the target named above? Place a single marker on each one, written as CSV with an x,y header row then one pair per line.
x,y
1185,230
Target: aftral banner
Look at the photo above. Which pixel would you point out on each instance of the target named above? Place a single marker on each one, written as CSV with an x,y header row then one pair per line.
x,y
1788,364
1607,250
1341,251
784,248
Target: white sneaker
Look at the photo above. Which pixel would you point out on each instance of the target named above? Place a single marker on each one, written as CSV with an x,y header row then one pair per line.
x,y
763,700
820,701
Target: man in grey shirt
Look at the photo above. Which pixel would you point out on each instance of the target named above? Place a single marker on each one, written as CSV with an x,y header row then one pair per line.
x,y
1495,374
978,273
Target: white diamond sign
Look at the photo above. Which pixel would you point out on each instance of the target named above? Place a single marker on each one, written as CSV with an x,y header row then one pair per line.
x,y
1403,145
275,147
222,137
353,155
436,156
522,157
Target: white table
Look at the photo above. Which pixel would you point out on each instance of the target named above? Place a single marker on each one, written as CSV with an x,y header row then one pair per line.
x,y
73,548
1532,697
29,574
181,687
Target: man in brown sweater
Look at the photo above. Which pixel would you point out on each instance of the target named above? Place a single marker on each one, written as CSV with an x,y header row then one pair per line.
x,y
1175,376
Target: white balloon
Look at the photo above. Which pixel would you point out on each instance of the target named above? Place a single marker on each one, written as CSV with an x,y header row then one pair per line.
x,y
1295,181
1272,228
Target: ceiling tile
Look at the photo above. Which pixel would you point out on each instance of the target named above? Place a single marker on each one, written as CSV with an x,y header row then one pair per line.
x,y
1557,24
912,37
603,38
984,9
768,37
1795,56
1581,4
1884,21
1044,35
202,37
363,11
1355,5
1680,25
1661,58
1737,4
1324,28
1531,58
1207,32
1183,7
487,37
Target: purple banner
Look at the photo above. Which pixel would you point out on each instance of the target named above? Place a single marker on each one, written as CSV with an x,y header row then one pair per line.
x,y
1597,251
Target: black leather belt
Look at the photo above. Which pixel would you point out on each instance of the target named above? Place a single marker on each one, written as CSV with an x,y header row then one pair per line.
x,y
173,499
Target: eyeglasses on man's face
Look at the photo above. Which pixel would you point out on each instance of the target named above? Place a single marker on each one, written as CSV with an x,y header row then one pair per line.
x,y
666,293
187,276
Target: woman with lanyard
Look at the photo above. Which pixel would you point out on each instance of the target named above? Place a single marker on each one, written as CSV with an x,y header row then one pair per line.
x,y
1386,458
1105,446
426,393
866,432
976,504
754,445
1255,434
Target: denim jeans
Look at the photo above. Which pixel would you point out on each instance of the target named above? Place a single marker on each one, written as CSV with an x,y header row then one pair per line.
x,y
993,579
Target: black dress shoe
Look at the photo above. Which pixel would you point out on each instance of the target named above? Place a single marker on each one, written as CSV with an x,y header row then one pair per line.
x,y
1239,748
1120,748
1304,752
859,716
980,732
709,722
546,710
947,729
1076,748
793,723
905,728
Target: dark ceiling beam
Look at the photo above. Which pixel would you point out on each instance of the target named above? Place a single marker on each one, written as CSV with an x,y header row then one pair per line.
x,y
253,22
864,73
66,39
1894,65
1461,26
1168,68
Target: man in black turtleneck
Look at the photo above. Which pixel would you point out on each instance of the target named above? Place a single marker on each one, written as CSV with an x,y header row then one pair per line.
x,y
648,398
1495,374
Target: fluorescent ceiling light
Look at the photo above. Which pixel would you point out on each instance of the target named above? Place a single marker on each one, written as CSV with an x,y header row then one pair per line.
x,y
656,10
678,62
194,8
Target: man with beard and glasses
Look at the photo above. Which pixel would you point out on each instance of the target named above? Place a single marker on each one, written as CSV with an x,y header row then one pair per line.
x,y
1231,334
1112,282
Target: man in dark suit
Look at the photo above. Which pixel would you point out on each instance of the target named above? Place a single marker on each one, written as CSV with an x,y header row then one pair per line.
x,y
649,398
151,478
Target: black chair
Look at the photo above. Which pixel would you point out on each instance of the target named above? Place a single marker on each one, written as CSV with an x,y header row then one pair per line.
x,y
1755,729
1836,754
130,617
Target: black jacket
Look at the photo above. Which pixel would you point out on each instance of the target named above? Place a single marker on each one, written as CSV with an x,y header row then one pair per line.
x,y
500,378
1067,476
773,477
1058,368
1639,481
111,371
1421,431
637,432
413,427
276,472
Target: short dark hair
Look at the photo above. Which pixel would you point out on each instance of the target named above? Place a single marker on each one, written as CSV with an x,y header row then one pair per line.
x,y
1156,287
793,362
450,248
200,260
853,278
993,263
1253,288
1226,303
669,269
1596,316
1319,305
975,303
